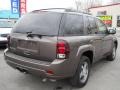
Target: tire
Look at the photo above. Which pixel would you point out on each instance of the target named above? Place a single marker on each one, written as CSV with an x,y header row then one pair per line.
x,y
81,76
112,56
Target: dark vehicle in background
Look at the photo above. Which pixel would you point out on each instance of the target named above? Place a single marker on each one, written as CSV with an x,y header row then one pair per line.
x,y
59,45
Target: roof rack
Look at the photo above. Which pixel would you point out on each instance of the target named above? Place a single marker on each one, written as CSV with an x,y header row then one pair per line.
x,y
64,10
78,11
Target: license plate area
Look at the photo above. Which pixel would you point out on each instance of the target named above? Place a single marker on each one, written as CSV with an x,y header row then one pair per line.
x,y
31,46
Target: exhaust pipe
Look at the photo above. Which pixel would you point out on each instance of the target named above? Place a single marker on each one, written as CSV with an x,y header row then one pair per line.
x,y
52,80
22,70
46,79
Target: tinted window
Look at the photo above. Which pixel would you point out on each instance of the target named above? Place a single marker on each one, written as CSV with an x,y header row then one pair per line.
x,y
87,25
73,25
93,26
101,27
44,23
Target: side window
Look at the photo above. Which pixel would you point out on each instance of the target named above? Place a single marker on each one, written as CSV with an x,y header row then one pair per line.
x,y
73,25
93,26
102,29
87,26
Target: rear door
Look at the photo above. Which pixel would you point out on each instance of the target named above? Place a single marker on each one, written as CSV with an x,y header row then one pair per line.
x,y
35,35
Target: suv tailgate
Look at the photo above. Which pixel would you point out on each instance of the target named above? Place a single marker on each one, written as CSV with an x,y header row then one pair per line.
x,y
37,48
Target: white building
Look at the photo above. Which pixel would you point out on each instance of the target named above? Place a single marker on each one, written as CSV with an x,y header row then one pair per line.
x,y
110,14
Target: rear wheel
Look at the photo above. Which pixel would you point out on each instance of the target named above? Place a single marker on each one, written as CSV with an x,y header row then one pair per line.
x,y
81,76
112,56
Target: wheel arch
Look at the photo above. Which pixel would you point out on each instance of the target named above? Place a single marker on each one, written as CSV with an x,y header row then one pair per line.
x,y
116,43
89,54
87,50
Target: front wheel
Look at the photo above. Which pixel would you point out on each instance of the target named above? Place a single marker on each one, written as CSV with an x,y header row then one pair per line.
x,y
81,76
112,56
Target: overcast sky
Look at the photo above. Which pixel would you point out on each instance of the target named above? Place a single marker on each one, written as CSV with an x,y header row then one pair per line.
x,y
5,4
39,4
34,4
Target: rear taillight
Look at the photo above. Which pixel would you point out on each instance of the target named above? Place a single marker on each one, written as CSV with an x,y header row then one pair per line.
x,y
8,41
63,50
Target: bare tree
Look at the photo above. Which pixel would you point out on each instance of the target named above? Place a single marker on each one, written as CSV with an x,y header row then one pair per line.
x,y
78,4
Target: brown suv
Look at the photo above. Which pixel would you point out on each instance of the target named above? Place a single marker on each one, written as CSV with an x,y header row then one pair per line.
x,y
59,44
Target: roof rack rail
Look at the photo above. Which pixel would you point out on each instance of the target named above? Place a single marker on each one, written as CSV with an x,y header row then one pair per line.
x,y
49,9
66,10
78,11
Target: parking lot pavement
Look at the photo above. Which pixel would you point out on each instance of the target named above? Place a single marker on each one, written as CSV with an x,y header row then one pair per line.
x,y
104,75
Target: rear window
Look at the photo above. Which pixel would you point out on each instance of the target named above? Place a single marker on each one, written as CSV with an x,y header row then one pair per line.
x,y
44,23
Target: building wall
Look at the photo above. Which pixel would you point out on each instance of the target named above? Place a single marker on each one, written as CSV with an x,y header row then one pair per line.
x,y
115,1
113,10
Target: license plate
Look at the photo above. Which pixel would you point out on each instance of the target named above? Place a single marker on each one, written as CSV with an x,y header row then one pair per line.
x,y
28,44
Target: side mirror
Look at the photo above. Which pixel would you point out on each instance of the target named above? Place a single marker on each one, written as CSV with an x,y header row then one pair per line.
x,y
112,31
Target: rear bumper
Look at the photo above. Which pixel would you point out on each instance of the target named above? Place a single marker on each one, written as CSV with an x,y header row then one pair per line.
x,y
37,67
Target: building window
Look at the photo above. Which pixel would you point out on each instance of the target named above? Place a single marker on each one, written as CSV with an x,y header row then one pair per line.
x,y
118,21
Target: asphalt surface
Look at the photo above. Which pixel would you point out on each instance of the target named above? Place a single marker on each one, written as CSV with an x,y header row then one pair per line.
x,y
104,75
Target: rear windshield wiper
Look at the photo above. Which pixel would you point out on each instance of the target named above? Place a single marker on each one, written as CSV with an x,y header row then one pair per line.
x,y
39,35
